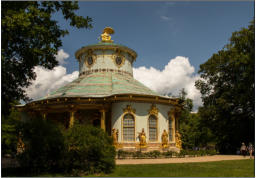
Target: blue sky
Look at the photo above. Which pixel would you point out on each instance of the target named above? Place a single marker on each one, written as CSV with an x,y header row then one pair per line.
x,y
171,38
160,31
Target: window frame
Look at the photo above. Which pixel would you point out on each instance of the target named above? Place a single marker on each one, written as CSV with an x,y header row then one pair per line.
x,y
128,141
156,127
170,131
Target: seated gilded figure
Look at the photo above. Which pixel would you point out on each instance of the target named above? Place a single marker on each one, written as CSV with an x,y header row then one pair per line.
x,y
142,138
178,140
115,136
105,36
164,139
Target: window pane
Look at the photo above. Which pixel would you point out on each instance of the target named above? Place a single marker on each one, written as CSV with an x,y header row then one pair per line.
x,y
152,121
152,134
128,120
128,128
152,128
170,129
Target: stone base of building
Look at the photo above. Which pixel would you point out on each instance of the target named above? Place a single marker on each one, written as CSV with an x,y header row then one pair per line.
x,y
147,148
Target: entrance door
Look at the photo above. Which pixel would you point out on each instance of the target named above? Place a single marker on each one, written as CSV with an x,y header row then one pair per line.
x,y
96,123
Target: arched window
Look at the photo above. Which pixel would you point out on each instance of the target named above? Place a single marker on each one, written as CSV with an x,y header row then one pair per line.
x,y
152,128
170,129
128,127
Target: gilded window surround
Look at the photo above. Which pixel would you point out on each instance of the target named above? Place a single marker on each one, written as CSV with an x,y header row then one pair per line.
x,y
118,54
89,54
128,110
153,111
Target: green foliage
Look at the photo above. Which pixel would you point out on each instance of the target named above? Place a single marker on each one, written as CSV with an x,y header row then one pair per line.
x,y
168,154
228,94
121,154
44,146
30,37
193,133
9,137
90,150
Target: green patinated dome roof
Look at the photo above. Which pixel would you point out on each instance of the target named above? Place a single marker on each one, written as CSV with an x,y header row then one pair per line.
x,y
101,84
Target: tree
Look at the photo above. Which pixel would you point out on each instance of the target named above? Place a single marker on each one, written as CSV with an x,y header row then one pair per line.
x,y
192,132
9,130
30,37
90,150
227,88
44,146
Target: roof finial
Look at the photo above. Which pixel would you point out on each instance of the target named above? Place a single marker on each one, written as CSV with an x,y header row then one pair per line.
x,y
105,36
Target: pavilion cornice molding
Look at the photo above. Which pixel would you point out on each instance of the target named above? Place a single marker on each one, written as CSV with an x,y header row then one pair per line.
x,y
85,102
114,47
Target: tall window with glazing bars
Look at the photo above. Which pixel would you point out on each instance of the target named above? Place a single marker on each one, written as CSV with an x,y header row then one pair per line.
x,y
128,128
170,129
152,128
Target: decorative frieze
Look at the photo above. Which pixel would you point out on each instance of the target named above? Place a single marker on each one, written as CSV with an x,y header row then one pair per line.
x,y
129,109
153,110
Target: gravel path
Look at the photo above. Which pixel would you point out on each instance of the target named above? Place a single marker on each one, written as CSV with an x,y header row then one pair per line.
x,y
181,160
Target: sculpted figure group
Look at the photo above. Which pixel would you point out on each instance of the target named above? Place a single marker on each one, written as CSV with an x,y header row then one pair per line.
x,y
142,138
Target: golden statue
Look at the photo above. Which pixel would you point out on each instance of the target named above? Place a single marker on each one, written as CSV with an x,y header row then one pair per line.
x,y
164,139
20,144
105,36
115,136
178,140
142,138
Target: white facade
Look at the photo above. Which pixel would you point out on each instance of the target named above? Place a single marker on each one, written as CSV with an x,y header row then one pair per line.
x,y
105,59
141,117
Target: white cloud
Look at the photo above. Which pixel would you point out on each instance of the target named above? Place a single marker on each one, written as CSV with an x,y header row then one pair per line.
x,y
177,74
61,56
50,80
165,18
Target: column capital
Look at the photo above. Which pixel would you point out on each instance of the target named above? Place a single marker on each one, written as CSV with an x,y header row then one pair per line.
x,y
102,110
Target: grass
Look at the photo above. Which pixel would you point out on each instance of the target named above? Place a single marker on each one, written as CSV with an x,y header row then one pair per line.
x,y
234,168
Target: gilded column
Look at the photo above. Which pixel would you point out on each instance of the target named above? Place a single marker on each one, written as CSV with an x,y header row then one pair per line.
x,y
102,119
44,115
71,119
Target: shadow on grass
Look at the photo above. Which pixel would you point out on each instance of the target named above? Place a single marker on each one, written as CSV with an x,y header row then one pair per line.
x,y
25,172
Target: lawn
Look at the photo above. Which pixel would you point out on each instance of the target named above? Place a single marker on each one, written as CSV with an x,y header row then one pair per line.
x,y
234,168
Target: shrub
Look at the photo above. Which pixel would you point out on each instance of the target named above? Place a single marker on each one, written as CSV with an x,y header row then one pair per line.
x,y
121,154
10,127
168,154
211,152
138,154
90,150
155,154
44,146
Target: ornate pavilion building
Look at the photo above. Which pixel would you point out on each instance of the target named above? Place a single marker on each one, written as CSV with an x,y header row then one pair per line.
x,y
107,96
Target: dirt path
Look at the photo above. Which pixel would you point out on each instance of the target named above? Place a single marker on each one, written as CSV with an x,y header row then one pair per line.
x,y
182,160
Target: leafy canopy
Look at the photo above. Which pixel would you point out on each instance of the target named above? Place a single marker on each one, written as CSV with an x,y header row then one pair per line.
x,y
227,88
30,37
193,134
